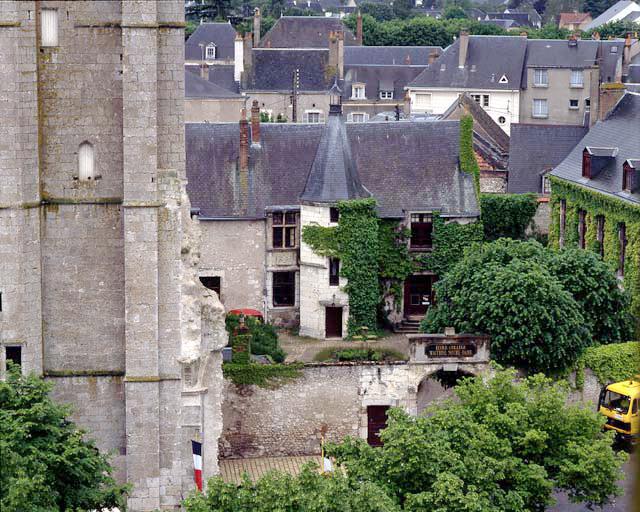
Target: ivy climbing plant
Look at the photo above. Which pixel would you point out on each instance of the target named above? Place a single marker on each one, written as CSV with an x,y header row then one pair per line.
x,y
615,212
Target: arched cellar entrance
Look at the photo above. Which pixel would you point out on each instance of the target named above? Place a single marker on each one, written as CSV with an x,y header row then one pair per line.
x,y
437,386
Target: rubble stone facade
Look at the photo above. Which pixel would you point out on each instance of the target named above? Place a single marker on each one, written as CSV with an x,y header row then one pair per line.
x,y
98,270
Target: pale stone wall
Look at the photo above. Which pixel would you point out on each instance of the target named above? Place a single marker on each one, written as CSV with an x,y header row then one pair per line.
x,y
492,182
279,103
315,291
329,398
200,110
235,251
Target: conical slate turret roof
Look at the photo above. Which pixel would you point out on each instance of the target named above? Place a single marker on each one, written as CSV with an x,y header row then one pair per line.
x,y
333,176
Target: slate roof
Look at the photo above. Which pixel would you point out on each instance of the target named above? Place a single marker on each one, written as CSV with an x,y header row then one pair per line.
x,y
505,24
305,32
520,19
493,56
272,69
222,35
618,130
634,74
612,11
388,55
557,53
609,61
220,75
377,78
405,166
333,176
536,148
196,87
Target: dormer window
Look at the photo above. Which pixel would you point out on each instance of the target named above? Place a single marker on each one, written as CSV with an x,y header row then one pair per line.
x,y
358,92
595,159
210,51
386,95
629,176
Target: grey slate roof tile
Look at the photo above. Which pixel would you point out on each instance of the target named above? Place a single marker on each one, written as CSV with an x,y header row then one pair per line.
x,y
388,55
621,129
557,53
221,34
273,69
378,78
493,56
535,148
196,87
609,13
305,32
406,166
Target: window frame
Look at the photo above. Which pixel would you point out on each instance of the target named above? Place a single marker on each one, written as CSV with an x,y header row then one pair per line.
x,y
582,229
12,346
481,99
421,218
542,73
539,115
386,95
545,186
334,271
210,46
576,85
577,105
334,214
563,221
49,40
600,221
358,91
622,248
286,228
213,287
276,286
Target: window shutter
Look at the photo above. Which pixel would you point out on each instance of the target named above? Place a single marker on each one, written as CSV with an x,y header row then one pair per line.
x,y
49,19
86,165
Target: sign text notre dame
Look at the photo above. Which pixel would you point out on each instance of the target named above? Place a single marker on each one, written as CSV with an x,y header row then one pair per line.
x,y
450,350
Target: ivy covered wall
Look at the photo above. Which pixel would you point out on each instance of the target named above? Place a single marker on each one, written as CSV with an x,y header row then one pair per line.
x,y
614,212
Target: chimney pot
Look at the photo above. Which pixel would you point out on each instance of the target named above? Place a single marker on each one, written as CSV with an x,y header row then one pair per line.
x,y
255,123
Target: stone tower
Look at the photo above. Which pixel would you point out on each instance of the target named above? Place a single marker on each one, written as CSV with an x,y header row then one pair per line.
x,y
98,289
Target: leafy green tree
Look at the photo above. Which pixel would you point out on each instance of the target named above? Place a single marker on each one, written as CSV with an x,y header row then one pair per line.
x,y
541,307
616,29
503,446
47,465
605,306
596,7
454,12
380,12
402,8
533,322
308,492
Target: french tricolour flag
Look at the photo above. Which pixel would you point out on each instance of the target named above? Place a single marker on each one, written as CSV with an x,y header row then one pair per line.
x,y
197,463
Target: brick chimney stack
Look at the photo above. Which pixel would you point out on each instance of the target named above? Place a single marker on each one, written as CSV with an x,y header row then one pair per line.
x,y
257,22
340,55
243,160
255,123
433,56
359,28
336,52
463,48
407,105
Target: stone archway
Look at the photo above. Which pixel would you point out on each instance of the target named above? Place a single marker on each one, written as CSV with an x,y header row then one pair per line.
x,y
437,387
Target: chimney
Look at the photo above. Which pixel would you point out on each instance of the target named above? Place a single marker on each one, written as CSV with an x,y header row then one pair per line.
x,y
238,58
595,36
336,52
610,94
463,48
407,105
243,160
257,21
573,41
359,28
407,60
255,123
340,55
247,54
204,71
626,53
524,34
433,56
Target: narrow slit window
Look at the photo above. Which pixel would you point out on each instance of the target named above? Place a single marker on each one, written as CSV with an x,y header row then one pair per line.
x,y
582,228
600,235
49,29
563,220
334,271
622,238
86,163
334,214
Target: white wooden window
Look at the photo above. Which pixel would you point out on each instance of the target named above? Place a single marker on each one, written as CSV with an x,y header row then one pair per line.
x,y
546,185
357,117
540,108
358,92
577,78
49,28
574,104
386,95
313,116
540,78
483,99
423,100
211,52
86,163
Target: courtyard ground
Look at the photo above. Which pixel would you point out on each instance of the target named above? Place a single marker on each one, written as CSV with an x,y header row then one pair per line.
x,y
304,349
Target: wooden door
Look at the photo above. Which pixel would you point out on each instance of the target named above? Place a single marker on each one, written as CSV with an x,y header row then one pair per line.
x,y
333,322
418,294
376,421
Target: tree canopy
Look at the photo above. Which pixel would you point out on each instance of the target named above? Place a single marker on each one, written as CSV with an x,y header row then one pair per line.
x,y
47,465
542,308
504,445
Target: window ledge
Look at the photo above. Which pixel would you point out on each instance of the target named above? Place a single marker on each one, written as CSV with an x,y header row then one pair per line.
x,y
576,86
283,307
541,86
574,108
420,249
540,116
284,249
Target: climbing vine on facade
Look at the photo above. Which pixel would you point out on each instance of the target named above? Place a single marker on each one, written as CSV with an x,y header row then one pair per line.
x,y
507,215
615,213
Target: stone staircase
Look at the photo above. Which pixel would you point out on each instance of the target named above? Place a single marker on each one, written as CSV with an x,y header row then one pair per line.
x,y
408,326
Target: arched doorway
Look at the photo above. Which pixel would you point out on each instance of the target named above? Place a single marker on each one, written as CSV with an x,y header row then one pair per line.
x,y
436,387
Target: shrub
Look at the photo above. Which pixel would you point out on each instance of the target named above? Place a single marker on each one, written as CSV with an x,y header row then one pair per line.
x,y
264,338
613,363
507,215
359,354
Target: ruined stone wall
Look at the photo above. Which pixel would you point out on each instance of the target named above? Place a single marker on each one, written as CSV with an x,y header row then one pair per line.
x,y
235,251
